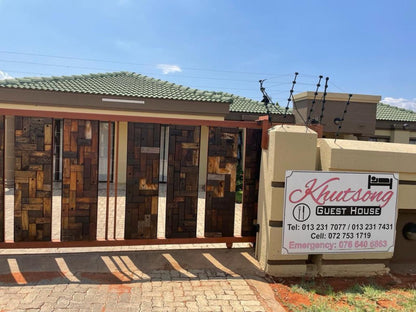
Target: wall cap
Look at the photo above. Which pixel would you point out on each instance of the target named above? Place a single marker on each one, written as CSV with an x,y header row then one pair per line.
x,y
365,98
292,129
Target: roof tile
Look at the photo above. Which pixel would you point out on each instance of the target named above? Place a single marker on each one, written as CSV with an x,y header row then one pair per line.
x,y
136,85
388,112
117,83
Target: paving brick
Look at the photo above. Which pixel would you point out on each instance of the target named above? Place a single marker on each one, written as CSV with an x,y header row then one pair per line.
x,y
211,308
47,307
246,297
254,308
167,290
62,303
217,302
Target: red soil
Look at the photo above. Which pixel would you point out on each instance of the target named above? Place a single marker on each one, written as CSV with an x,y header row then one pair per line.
x,y
393,284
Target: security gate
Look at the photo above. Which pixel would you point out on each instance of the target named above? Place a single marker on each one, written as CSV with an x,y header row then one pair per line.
x,y
162,174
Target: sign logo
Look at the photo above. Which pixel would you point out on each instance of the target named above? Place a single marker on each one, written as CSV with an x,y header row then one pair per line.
x,y
301,212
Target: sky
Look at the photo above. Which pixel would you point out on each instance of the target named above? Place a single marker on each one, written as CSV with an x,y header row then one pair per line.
x,y
364,47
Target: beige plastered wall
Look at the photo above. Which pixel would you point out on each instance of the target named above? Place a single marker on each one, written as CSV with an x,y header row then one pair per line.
x,y
346,155
293,148
396,135
290,147
122,152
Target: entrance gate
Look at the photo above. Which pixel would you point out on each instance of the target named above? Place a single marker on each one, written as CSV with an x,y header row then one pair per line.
x,y
160,175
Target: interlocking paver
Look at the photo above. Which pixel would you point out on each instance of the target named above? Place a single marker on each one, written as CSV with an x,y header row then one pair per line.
x,y
164,288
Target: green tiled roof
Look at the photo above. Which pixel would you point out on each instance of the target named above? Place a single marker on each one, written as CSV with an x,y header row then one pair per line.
x,y
245,105
388,112
136,85
117,84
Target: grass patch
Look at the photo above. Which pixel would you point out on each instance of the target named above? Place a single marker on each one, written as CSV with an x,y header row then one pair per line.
x,y
310,296
310,286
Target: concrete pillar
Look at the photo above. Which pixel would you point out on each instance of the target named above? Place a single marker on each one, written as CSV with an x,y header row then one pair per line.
x,y
9,158
290,147
122,152
121,137
400,136
9,162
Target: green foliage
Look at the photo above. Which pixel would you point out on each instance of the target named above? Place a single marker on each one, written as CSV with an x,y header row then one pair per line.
x,y
239,185
239,179
239,197
310,286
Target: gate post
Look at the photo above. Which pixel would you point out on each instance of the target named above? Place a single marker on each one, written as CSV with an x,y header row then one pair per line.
x,y
290,147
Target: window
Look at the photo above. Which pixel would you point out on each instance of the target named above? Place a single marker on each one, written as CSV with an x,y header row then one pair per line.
x,y
105,132
164,149
57,149
379,139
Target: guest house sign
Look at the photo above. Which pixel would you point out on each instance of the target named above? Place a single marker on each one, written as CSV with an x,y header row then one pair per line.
x,y
334,212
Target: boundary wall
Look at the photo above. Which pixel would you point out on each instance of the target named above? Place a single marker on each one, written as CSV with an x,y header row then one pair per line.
x,y
294,147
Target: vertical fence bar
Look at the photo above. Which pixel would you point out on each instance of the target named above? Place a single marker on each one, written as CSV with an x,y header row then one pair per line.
x,y
107,207
203,162
161,212
9,179
117,142
2,204
57,190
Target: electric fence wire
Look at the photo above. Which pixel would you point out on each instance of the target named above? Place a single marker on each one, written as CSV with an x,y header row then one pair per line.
x,y
323,101
290,95
343,116
314,100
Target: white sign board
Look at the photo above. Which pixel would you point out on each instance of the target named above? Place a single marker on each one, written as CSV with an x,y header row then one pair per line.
x,y
334,212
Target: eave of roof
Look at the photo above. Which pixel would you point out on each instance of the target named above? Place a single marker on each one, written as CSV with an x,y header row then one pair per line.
x,y
116,84
393,113
130,84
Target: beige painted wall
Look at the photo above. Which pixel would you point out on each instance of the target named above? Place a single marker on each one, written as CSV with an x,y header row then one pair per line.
x,y
9,158
396,136
122,152
293,148
400,136
345,155
370,156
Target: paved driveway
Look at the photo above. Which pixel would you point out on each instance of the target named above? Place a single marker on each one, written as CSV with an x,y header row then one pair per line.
x,y
167,279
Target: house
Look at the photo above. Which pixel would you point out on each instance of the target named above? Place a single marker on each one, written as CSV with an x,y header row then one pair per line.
x,y
394,124
155,148
160,152
366,118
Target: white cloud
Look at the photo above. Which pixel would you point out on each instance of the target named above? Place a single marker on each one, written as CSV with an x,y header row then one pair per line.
x,y
167,69
4,75
401,102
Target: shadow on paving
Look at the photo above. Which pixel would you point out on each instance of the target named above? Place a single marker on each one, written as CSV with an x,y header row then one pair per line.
x,y
117,267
